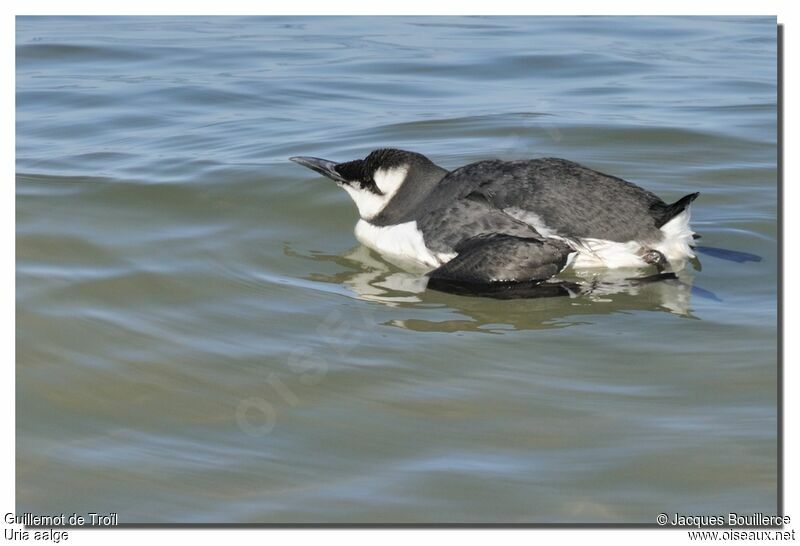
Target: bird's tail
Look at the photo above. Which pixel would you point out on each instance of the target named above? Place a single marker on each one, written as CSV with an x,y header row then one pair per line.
x,y
663,213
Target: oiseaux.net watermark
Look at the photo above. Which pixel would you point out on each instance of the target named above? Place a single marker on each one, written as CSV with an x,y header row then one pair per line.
x,y
339,335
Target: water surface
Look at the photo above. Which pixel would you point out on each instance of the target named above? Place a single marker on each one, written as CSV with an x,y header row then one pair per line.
x,y
201,339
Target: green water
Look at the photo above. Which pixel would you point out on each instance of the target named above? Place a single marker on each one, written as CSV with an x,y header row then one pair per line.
x,y
201,339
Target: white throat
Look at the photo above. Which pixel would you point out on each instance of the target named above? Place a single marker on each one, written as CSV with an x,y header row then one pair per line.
x,y
370,204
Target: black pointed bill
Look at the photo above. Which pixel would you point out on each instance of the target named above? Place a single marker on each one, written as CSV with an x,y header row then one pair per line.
x,y
322,166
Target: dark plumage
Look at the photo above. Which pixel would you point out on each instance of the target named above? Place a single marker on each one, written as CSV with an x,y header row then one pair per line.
x,y
498,221
566,196
498,257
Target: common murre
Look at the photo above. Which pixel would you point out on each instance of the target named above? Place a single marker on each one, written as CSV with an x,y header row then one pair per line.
x,y
496,222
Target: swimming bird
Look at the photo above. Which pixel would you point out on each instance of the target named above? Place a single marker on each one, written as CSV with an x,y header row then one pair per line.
x,y
497,223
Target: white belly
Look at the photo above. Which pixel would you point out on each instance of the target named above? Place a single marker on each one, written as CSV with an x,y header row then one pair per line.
x,y
402,241
602,253
675,245
678,238
405,242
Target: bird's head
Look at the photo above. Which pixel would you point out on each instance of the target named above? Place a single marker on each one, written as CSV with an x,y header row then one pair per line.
x,y
385,176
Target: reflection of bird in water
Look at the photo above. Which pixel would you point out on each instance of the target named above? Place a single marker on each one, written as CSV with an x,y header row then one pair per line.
x,y
587,292
505,229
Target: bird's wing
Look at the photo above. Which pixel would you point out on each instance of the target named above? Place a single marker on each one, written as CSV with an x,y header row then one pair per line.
x,y
497,259
557,197
460,220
